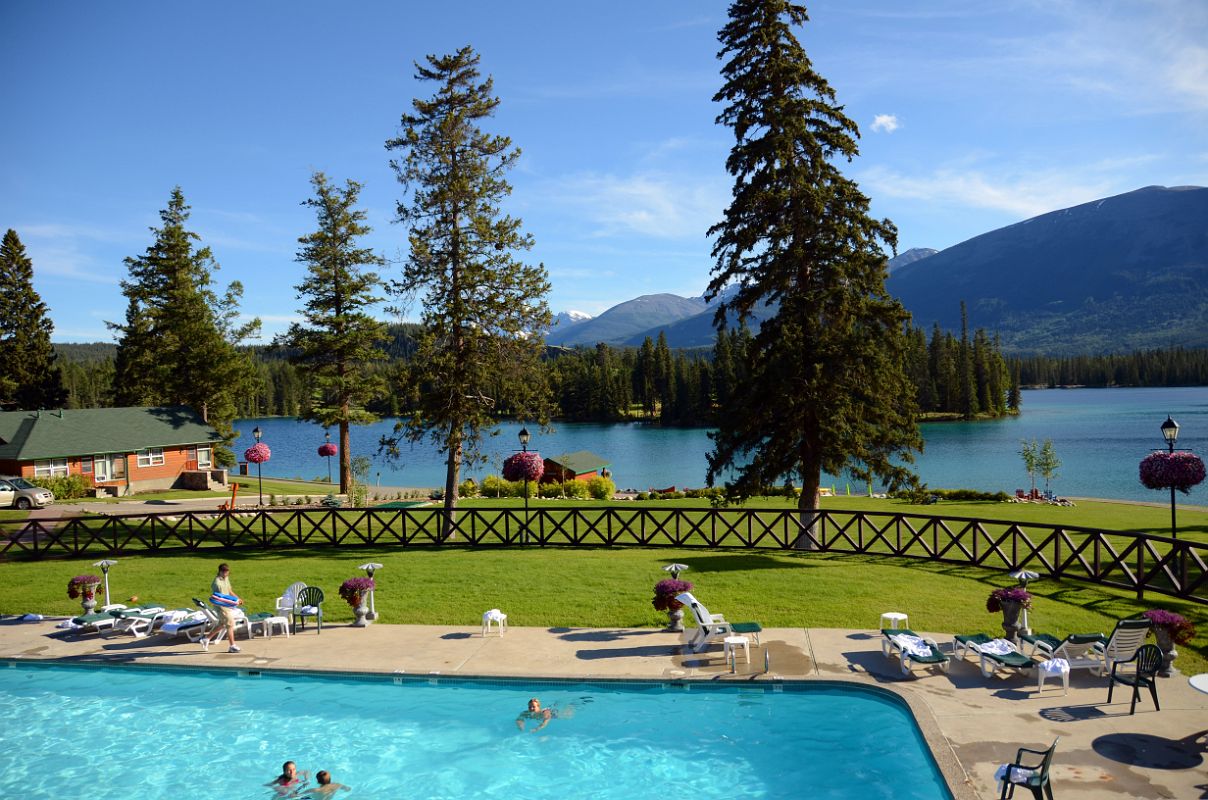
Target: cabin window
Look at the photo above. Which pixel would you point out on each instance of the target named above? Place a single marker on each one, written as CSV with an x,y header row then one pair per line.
x,y
50,468
151,457
86,464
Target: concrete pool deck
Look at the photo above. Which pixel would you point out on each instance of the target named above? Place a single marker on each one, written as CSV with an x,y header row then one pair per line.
x,y
973,724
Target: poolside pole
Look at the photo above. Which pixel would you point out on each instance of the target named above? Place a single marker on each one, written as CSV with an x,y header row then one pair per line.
x,y
105,565
256,434
1170,432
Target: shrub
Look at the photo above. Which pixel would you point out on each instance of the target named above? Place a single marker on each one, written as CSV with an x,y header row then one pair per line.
x,y
467,488
642,496
272,499
68,487
494,486
601,488
548,490
577,490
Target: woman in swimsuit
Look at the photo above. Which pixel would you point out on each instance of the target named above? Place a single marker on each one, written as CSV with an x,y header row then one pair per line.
x,y
290,780
535,711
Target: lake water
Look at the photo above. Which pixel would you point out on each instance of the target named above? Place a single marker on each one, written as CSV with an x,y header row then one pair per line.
x,y
1100,435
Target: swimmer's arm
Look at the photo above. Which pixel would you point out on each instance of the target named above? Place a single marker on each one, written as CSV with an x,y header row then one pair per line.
x,y
545,718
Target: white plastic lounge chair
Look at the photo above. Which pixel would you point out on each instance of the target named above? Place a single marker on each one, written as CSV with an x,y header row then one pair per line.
x,y
1078,649
285,603
1123,644
912,649
191,624
709,627
217,626
138,622
99,620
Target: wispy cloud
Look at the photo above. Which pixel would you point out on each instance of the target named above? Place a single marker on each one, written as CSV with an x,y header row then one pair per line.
x,y
885,123
650,204
1022,193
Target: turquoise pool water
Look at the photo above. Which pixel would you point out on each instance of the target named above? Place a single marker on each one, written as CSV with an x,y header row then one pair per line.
x,y
111,732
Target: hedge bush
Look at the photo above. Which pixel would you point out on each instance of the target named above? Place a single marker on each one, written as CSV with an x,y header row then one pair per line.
x,y
68,487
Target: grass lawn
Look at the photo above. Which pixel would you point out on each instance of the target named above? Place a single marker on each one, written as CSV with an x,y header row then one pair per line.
x,y
605,588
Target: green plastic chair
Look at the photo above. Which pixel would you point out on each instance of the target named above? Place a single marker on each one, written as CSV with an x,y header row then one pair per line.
x,y
1033,777
311,597
1148,659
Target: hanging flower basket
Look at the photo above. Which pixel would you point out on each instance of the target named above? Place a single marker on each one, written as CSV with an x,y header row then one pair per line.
x,y
83,586
258,453
1172,471
327,449
523,466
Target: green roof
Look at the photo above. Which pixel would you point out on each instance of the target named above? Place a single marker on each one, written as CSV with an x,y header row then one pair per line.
x,y
30,435
580,461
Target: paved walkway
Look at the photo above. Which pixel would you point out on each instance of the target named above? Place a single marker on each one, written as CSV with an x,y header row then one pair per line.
x,y
973,724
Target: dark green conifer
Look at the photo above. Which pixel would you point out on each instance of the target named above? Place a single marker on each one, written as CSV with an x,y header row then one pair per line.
x,y
483,309
825,387
30,377
337,339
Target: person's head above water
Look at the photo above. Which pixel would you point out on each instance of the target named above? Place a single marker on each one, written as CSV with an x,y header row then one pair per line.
x,y
534,705
323,777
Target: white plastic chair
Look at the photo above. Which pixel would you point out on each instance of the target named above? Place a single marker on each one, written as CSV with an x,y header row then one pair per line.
x,y
709,627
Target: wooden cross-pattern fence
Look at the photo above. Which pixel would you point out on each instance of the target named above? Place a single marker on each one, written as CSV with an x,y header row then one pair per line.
x,y
1134,561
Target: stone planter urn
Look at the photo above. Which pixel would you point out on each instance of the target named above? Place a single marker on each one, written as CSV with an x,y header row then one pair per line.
x,y
675,620
362,614
88,604
1010,618
1166,645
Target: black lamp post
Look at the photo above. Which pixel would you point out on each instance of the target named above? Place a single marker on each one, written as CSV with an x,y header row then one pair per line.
x,y
1170,432
256,434
327,440
524,437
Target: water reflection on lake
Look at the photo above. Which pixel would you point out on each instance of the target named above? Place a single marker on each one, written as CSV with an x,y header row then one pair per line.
x,y
1100,435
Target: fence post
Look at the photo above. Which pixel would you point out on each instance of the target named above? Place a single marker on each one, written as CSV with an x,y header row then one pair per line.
x,y
1140,570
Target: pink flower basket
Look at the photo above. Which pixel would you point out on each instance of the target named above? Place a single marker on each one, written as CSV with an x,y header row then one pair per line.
x,y
1172,471
523,466
258,453
327,449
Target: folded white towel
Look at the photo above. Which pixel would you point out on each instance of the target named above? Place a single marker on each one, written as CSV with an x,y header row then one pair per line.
x,y
912,645
175,615
1055,666
998,647
32,618
495,615
308,610
1018,774
68,624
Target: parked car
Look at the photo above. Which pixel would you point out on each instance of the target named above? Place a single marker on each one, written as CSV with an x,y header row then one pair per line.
x,y
16,492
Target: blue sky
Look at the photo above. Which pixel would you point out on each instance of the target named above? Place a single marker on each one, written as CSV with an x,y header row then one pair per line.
x,y
972,115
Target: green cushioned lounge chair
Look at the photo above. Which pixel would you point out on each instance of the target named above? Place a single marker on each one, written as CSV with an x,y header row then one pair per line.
x,y
892,641
989,660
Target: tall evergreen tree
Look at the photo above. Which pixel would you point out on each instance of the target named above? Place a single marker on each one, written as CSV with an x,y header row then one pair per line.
x,y
178,343
825,387
484,310
338,339
968,386
30,376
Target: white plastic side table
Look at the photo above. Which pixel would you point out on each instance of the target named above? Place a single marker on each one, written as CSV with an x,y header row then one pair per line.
x,y
733,642
1199,682
890,619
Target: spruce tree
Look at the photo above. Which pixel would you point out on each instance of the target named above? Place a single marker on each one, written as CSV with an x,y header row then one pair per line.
x,y
825,386
338,339
483,309
178,343
30,377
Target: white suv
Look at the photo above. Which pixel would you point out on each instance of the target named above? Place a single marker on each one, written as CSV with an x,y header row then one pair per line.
x,y
19,493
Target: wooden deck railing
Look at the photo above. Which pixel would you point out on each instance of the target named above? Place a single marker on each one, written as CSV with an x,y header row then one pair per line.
x,y
1134,561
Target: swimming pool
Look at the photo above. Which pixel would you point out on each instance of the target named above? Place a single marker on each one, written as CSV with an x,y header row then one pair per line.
x,y
154,733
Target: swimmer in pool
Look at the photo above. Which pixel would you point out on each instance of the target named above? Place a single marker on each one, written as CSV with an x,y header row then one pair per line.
x,y
536,712
325,788
290,780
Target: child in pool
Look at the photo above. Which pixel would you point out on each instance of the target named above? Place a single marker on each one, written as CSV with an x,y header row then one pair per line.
x,y
325,788
535,712
290,780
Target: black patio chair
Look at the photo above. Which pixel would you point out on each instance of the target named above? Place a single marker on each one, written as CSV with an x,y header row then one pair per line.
x,y
309,603
1148,660
1034,777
